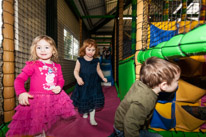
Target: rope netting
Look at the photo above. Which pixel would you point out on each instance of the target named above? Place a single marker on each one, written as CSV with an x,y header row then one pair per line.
x,y
22,20
30,21
167,18
160,20
125,31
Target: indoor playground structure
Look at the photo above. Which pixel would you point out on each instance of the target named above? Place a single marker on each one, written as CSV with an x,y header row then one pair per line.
x,y
106,66
174,30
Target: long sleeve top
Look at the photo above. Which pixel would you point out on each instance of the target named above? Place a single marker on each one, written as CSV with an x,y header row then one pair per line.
x,y
43,77
135,110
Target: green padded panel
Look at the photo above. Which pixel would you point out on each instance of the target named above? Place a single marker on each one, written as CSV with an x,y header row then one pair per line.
x,y
191,134
140,56
172,48
163,133
194,42
147,54
157,51
126,77
179,133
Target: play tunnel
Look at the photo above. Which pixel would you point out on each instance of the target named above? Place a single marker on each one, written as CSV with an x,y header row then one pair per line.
x,y
182,45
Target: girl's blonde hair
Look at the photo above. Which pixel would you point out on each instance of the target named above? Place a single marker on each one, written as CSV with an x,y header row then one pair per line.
x,y
88,43
50,41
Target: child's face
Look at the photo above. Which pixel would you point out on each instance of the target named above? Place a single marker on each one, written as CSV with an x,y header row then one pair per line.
x,y
173,86
90,51
44,50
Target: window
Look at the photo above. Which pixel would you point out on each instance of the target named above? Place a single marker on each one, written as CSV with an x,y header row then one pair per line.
x,y
71,46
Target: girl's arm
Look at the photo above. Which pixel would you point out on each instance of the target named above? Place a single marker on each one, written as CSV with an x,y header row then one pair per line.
x,y
76,73
76,70
99,71
19,83
27,72
60,83
21,92
60,77
23,95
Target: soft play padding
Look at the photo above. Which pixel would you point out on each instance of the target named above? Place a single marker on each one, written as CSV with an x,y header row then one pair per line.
x,y
157,51
147,54
188,92
185,121
126,76
140,56
172,47
163,116
203,103
191,43
194,42
200,58
165,110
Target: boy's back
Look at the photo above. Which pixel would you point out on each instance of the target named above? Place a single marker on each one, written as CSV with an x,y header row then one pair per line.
x,y
135,109
156,75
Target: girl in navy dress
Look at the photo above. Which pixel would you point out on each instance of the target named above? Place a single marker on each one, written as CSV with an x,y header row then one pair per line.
x,y
88,95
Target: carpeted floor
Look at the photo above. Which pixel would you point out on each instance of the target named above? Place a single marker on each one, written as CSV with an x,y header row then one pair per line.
x,y
81,127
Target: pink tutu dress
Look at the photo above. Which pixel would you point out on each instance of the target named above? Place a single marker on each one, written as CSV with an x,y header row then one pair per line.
x,y
46,107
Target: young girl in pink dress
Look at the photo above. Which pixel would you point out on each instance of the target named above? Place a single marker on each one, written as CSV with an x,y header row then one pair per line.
x,y
46,102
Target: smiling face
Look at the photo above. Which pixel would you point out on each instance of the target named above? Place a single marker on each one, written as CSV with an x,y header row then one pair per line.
x,y
44,50
90,51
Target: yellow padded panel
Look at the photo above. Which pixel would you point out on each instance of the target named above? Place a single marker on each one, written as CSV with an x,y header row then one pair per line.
x,y
184,120
164,109
188,92
200,58
186,26
165,25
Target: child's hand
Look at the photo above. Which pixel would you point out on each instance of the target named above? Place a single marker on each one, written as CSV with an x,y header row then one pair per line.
x,y
24,98
80,81
56,89
104,79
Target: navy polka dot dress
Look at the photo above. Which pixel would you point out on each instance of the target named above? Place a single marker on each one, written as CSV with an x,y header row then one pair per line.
x,y
88,96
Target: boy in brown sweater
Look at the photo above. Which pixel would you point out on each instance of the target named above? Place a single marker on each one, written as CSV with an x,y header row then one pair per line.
x,y
136,109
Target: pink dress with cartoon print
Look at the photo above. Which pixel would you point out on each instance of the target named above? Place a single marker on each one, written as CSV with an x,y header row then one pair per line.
x,y
46,108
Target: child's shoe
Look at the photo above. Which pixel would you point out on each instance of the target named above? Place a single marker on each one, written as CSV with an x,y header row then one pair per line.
x,y
92,120
85,115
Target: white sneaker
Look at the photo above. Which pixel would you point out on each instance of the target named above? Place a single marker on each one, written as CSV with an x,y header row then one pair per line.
x,y
85,115
41,135
93,122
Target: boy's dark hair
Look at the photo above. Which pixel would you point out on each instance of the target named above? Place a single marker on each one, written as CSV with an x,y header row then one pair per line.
x,y
155,71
